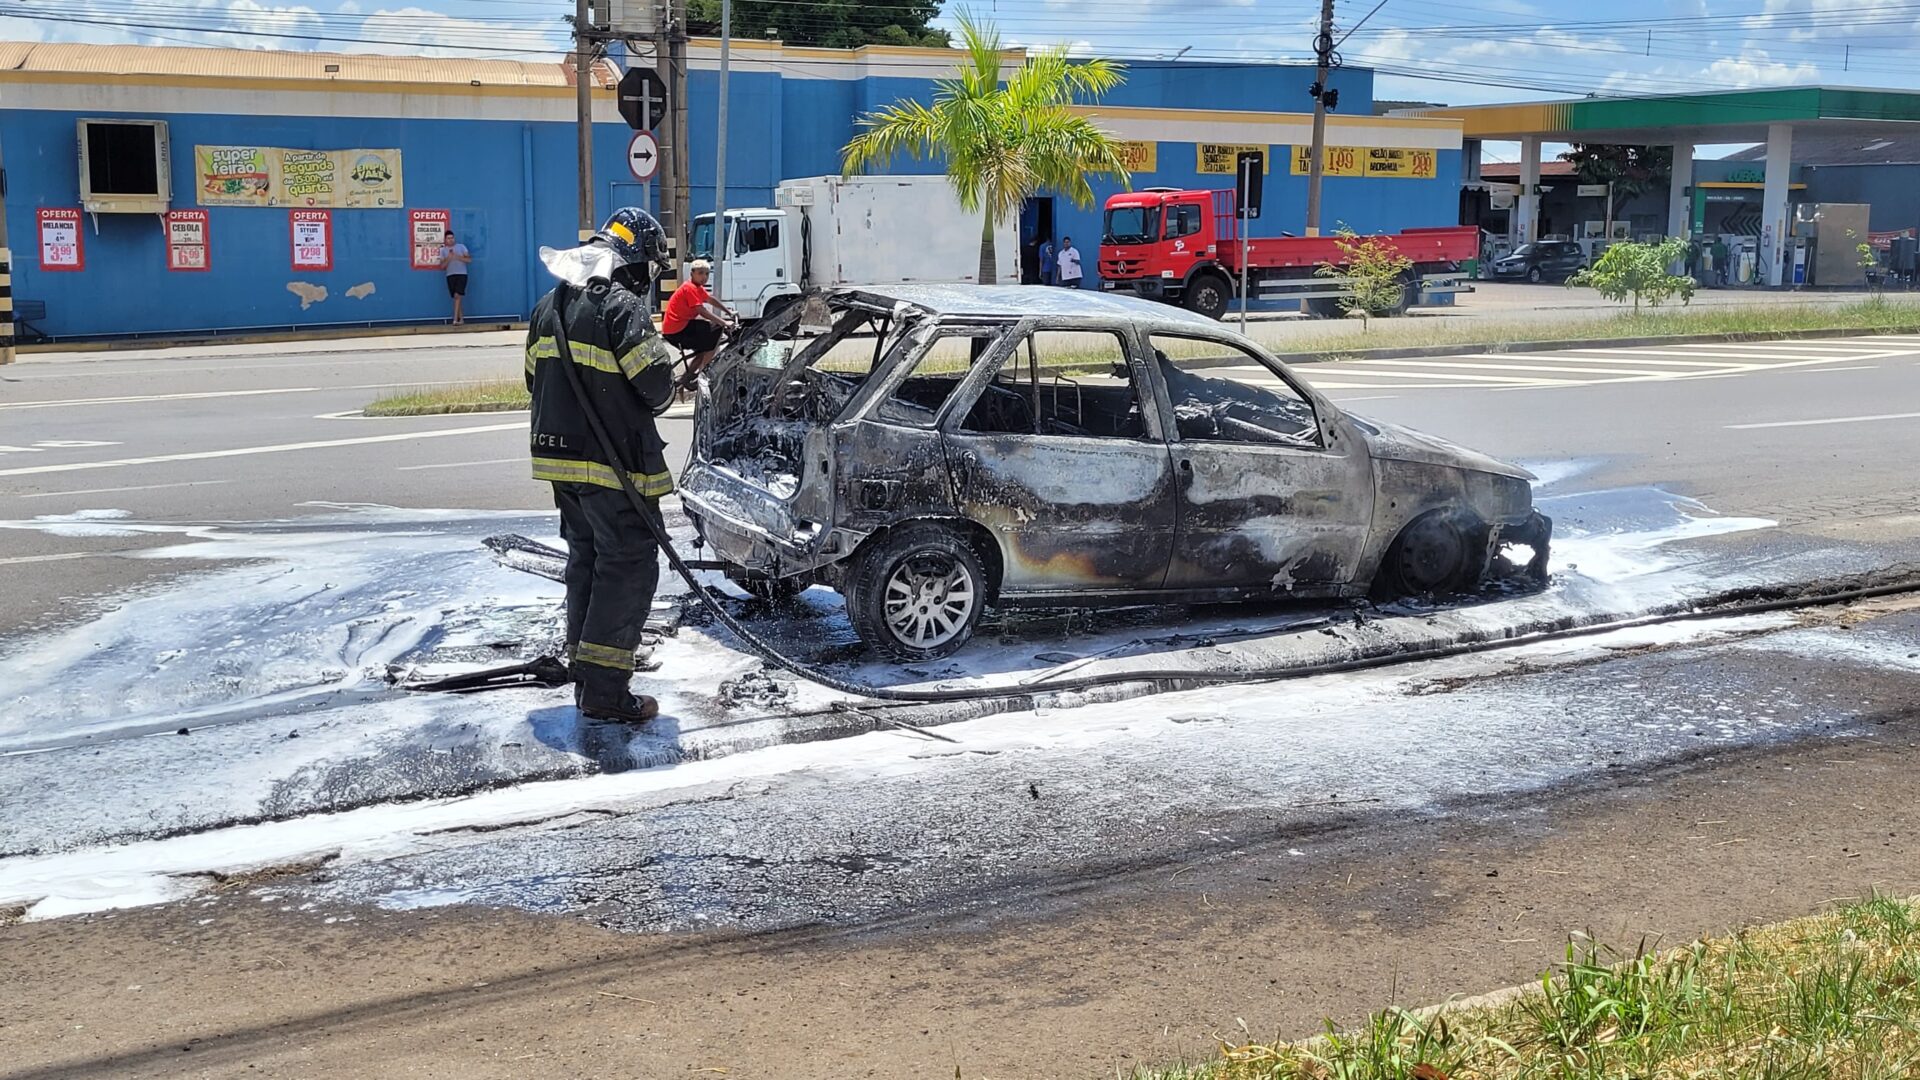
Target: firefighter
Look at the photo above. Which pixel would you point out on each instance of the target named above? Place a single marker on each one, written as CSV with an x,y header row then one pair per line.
x,y
627,372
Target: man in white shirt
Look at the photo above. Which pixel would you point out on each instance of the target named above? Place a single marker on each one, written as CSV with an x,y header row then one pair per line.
x,y
455,258
1067,263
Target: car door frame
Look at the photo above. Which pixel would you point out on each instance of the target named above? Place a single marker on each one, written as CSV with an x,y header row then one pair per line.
x,y
1321,553
1049,550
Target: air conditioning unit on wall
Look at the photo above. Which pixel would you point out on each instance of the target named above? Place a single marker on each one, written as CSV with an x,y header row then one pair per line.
x,y
126,167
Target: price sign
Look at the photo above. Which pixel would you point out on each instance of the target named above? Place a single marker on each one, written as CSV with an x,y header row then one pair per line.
x,y
312,239
428,231
60,245
187,240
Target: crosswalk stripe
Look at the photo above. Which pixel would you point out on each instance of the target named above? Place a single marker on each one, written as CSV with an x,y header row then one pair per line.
x,y
1511,366
1618,356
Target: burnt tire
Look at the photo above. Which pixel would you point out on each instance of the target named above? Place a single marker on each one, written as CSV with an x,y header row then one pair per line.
x,y
918,592
1209,295
1435,553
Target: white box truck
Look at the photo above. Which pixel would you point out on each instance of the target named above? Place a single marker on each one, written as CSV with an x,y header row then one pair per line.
x,y
829,231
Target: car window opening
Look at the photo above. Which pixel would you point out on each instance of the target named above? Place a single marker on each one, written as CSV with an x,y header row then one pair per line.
x,y
1221,393
1076,384
937,373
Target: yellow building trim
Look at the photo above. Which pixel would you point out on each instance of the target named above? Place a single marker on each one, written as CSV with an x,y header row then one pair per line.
x,y
215,82
1239,116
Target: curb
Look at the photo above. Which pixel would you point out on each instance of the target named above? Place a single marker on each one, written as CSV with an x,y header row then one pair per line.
x,y
279,337
448,409
1575,344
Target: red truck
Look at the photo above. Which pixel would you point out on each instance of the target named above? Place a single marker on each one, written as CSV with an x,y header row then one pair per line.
x,y
1183,247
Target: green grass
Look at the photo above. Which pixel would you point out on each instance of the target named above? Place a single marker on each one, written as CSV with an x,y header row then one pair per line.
x,y
1758,320
1830,996
497,396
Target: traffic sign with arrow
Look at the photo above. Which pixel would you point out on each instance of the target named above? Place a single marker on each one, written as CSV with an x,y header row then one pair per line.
x,y
643,156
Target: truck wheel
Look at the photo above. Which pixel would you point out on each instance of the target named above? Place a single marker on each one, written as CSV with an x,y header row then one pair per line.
x,y
1433,554
1209,294
918,593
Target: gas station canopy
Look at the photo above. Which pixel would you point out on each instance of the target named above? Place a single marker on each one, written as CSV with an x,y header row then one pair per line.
x,y
1683,121
1723,117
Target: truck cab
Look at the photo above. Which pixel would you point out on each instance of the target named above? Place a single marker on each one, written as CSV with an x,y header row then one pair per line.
x,y
759,264
1161,244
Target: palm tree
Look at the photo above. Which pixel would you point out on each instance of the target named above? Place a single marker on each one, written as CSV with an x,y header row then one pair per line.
x,y
1001,143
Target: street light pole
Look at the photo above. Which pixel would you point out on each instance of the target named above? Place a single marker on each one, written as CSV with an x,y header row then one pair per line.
x,y
1316,164
583,107
722,243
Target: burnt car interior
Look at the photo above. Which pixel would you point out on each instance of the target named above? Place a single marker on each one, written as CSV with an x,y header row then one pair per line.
x,y
1086,389
1219,408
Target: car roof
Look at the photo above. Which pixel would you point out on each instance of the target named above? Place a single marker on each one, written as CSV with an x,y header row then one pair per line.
x,y
1021,301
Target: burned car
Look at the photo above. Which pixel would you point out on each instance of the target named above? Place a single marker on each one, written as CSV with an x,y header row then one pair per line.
x,y
932,451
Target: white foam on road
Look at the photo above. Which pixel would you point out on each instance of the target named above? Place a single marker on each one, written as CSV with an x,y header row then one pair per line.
x,y
148,871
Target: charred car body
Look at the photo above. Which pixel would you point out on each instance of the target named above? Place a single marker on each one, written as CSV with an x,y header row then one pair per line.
x,y
931,451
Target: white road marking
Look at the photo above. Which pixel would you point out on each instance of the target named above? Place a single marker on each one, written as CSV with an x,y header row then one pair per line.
x,y
109,490
245,451
460,464
1829,420
139,399
17,559
1510,366
1829,370
1610,356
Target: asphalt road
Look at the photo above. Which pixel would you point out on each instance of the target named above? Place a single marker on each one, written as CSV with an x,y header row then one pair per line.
x,y
1137,874
248,435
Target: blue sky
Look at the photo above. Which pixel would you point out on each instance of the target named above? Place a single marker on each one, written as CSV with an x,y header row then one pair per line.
x,y
1433,50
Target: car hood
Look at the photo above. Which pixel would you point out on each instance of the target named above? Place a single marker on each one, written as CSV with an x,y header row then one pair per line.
x,y
1395,443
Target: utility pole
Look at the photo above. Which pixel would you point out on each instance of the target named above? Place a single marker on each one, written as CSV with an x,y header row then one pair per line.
x,y
583,105
6,275
1324,98
671,64
722,242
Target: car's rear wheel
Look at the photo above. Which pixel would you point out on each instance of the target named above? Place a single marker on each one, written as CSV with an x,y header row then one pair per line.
x,y
1433,554
1209,295
918,593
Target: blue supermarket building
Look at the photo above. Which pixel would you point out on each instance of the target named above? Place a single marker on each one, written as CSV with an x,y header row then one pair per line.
x,y
169,191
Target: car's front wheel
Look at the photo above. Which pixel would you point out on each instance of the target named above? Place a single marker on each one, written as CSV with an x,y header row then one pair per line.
x,y
1433,554
1534,275
918,593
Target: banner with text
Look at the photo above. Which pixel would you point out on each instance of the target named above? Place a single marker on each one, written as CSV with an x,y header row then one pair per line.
x,y
274,176
1139,157
1221,159
1363,161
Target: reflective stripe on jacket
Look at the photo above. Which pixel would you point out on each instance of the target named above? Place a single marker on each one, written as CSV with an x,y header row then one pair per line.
x,y
626,369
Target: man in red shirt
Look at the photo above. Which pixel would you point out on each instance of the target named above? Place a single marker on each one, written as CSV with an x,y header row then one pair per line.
x,y
693,320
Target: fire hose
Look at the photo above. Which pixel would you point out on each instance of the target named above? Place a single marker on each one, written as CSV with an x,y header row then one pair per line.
x,y
548,671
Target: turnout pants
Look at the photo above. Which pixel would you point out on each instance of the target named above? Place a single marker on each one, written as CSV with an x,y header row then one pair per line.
x,y
613,566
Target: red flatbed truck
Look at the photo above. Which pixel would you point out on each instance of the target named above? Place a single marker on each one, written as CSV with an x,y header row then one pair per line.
x,y
1183,247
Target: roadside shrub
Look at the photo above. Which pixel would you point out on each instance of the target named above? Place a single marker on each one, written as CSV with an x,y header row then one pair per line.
x,y
1375,270
1639,271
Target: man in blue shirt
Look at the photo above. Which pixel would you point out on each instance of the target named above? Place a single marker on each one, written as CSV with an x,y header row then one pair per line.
x,y
1046,262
